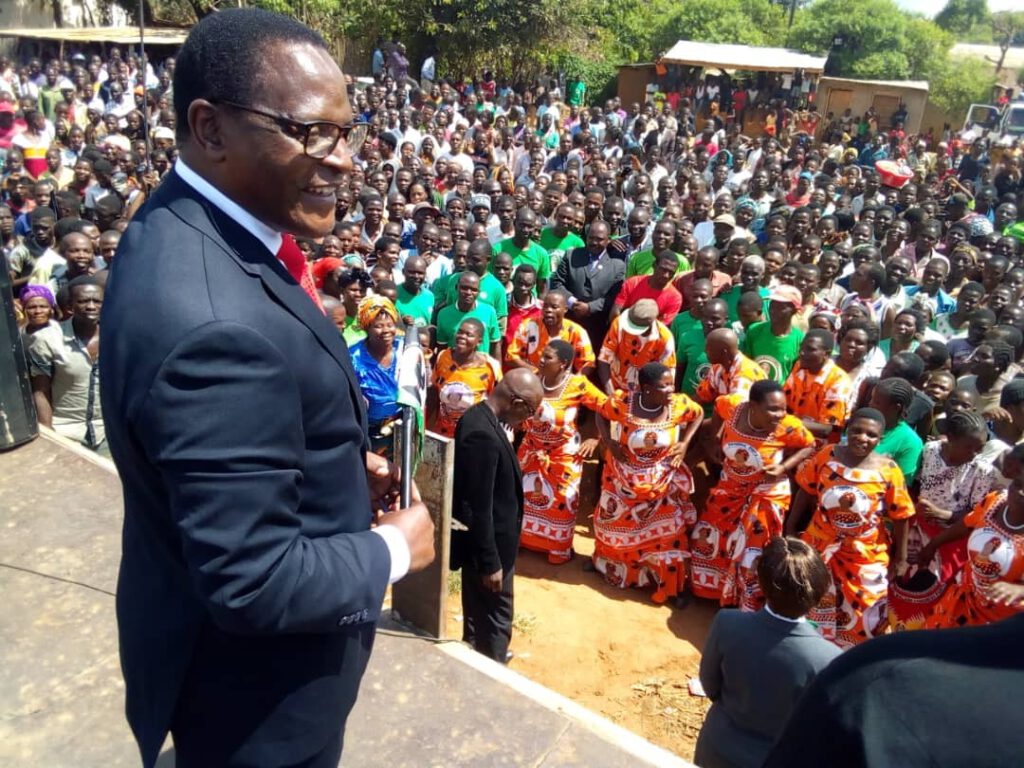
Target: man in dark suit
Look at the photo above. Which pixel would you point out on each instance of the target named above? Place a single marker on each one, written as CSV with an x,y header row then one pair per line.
x,y
592,276
488,501
250,577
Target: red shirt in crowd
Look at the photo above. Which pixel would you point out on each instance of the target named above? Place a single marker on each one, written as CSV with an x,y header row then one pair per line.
x,y
668,299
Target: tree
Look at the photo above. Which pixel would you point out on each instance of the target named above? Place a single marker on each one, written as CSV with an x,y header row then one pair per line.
x,y
926,48
874,34
1007,29
959,17
960,83
747,22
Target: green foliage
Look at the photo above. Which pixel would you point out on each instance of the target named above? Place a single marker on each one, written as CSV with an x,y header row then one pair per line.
x,y
599,74
958,84
748,22
1008,28
959,17
926,48
590,38
627,32
873,32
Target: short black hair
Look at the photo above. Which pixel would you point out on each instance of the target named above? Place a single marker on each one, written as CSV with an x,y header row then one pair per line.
x,y
651,374
563,349
38,214
905,365
935,354
223,57
820,334
761,389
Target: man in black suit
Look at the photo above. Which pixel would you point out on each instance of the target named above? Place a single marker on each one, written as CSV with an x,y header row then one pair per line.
x,y
592,276
250,577
488,501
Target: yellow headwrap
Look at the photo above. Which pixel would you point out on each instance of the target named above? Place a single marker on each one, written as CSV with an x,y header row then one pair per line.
x,y
371,307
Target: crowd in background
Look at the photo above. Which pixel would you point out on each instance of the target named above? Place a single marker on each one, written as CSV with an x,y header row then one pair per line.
x,y
816,332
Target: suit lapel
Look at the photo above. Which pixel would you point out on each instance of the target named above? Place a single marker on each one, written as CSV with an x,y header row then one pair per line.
x,y
502,436
254,259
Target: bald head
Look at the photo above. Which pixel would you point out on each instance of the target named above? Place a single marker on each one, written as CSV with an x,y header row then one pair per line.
x,y
721,346
517,396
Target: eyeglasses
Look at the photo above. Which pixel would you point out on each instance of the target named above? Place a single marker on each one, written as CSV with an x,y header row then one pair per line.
x,y
318,137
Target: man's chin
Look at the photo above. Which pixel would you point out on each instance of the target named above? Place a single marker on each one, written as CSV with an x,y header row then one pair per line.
x,y
312,224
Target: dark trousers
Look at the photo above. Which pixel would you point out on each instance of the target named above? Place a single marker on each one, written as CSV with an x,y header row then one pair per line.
x,y
487,616
193,753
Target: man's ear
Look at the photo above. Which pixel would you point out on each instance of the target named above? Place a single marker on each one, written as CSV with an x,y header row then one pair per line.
x,y
206,126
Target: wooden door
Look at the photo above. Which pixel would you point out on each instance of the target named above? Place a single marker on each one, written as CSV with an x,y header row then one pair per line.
x,y
838,101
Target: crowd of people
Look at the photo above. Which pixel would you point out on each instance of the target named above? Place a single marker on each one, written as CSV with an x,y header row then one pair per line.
x,y
756,337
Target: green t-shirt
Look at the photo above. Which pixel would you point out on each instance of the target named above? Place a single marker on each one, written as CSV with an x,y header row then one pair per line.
x,y
904,446
533,255
491,292
352,333
557,247
450,318
732,299
683,322
775,354
577,92
420,307
642,263
440,287
690,353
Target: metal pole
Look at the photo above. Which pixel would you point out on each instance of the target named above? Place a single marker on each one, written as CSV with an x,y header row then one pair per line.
x,y
406,461
145,91
409,436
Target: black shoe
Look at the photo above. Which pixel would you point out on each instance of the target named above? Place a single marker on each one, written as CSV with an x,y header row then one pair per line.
x,y
588,566
681,601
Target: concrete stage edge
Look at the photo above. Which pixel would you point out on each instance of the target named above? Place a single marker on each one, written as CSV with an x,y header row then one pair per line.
x,y
422,703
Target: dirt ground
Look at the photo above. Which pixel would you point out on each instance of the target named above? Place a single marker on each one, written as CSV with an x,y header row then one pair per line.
x,y
613,651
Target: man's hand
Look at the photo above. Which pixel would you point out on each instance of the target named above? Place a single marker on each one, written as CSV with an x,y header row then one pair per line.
x,y
384,479
492,581
580,309
997,414
418,528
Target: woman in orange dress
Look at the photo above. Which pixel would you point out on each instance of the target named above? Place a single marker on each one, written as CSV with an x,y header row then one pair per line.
x,y
854,492
760,445
991,586
641,520
462,378
552,454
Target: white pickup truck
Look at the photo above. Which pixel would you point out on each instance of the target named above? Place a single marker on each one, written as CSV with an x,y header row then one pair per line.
x,y
986,120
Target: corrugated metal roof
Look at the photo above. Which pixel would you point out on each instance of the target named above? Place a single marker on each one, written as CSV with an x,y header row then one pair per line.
x,y
124,35
747,57
914,85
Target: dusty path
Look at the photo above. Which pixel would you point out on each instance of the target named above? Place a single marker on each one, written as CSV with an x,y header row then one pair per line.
x,y
613,651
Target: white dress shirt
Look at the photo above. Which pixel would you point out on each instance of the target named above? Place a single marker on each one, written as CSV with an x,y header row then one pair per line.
x,y
398,548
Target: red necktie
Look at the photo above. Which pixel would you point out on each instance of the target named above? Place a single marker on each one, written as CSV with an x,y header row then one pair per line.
x,y
291,256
